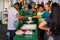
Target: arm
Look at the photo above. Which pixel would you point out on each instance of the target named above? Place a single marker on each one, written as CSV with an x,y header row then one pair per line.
x,y
43,26
46,14
20,17
36,16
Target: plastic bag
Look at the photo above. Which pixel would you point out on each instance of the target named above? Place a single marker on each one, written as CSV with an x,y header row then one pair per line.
x,y
50,38
16,24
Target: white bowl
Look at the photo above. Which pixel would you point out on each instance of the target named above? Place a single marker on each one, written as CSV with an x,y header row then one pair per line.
x,y
19,33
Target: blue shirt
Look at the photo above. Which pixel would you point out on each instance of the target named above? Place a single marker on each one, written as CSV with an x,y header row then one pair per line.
x,y
46,14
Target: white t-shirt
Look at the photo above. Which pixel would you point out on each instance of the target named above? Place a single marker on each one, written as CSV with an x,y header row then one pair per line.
x,y
12,18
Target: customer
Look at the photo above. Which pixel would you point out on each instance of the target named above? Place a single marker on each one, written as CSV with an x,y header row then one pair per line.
x,y
12,17
47,7
35,14
29,11
35,11
53,22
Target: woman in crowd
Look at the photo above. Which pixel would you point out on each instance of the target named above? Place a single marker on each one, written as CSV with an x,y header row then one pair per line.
x,y
47,7
53,22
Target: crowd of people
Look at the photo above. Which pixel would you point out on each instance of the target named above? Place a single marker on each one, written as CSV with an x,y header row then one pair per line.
x,y
46,16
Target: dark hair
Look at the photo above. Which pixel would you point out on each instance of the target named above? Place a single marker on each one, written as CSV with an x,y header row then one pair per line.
x,y
40,5
17,3
35,8
55,18
48,4
29,6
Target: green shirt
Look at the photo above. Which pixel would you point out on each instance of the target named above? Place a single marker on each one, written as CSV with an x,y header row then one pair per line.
x,y
40,19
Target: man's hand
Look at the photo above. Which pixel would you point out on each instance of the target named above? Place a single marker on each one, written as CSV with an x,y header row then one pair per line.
x,y
21,21
18,16
23,17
